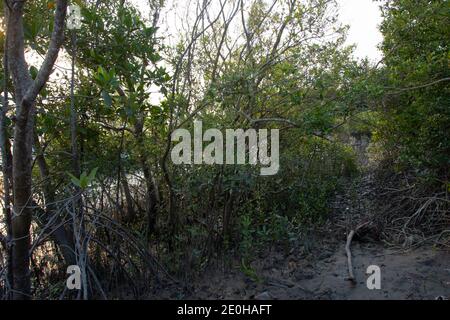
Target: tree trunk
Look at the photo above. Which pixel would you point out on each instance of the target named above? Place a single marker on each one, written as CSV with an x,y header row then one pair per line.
x,y
51,217
131,213
5,147
151,196
21,219
26,91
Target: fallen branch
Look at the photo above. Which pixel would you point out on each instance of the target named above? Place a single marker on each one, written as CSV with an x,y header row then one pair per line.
x,y
351,276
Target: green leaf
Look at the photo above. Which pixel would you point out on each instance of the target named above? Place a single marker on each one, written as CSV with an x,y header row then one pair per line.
x,y
92,175
84,180
74,180
33,72
106,98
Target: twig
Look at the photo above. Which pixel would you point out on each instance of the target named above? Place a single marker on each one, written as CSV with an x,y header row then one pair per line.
x,y
351,276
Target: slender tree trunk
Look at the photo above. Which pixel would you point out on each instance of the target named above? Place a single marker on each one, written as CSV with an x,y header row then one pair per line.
x,y
21,219
6,167
131,213
26,91
152,198
73,115
51,216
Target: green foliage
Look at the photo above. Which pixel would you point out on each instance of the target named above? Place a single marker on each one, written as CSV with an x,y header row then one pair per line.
x,y
247,238
416,49
312,90
85,179
249,271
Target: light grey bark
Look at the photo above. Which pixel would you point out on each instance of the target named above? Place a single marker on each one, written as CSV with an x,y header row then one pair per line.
x,y
26,91
5,146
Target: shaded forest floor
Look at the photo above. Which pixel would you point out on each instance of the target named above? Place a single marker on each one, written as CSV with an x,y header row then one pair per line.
x,y
317,267
421,274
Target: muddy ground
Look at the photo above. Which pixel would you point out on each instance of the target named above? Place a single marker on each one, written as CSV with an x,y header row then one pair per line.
x,y
317,267
423,273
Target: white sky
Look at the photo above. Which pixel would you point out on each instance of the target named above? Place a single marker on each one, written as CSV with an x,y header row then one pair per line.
x,y
363,17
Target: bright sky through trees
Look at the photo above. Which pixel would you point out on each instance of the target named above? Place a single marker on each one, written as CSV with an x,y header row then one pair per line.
x,y
363,17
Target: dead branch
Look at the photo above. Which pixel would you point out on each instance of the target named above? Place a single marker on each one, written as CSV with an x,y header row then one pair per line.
x,y
351,276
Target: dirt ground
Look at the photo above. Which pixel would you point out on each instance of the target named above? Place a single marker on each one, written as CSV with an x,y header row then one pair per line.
x,y
420,274
317,267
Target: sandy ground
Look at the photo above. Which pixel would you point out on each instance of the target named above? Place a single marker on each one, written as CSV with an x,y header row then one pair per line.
x,y
420,274
319,271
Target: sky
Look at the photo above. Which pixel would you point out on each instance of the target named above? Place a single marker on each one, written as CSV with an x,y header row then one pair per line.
x,y
363,17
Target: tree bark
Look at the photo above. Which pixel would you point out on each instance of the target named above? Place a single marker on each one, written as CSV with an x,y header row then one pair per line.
x,y
26,91
51,216
5,147
151,196
131,213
